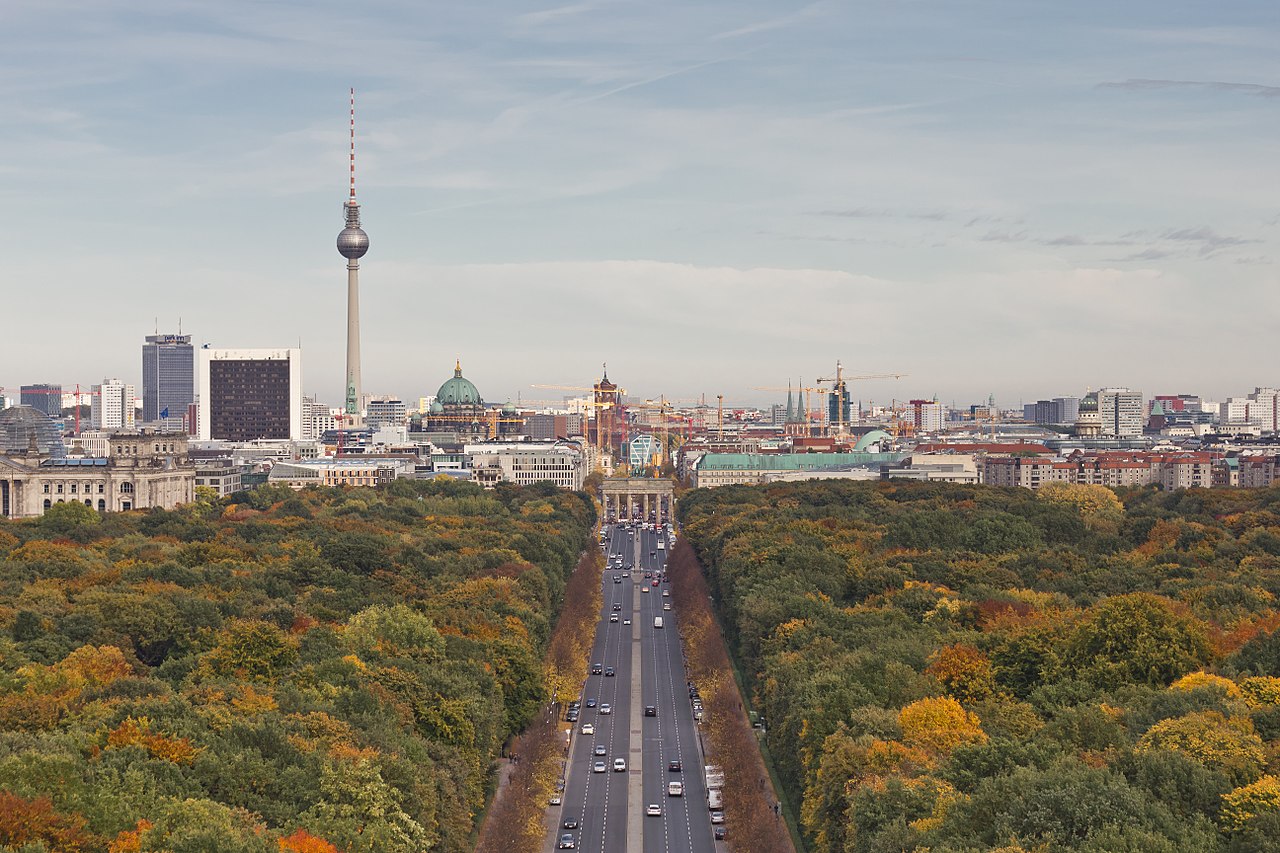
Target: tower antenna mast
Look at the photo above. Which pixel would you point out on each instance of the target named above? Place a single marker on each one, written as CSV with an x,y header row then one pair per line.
x,y
352,245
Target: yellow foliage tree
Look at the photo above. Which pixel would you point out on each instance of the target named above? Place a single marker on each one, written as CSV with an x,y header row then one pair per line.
x,y
939,724
1098,506
1193,680
1218,742
1248,802
1261,691
964,671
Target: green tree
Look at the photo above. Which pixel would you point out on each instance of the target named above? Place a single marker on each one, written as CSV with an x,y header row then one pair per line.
x,y
1136,638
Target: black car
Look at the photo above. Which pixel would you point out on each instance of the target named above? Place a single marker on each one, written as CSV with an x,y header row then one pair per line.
x,y
595,669
608,671
571,716
650,711
674,765
719,833
570,823
617,605
591,703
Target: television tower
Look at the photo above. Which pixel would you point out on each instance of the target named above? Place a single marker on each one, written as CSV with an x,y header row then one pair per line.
x,y
352,244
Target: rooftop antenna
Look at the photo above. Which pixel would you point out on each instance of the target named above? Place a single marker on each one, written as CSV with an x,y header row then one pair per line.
x,y
179,324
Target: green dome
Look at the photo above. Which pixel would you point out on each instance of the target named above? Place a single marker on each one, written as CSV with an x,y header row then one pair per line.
x,y
435,408
458,391
1089,403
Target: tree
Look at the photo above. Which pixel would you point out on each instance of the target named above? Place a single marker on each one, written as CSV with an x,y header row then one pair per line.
x,y
963,671
1136,638
1098,506
395,631
1219,743
939,724
203,826
252,649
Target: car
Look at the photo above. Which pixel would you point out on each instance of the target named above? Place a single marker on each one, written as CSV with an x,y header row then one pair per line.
x,y
717,817
606,708
653,810
572,716
674,765
718,832
575,705
555,799
626,621
617,579
644,589
619,765
653,553
598,767
608,672
655,583
595,668
697,715
648,574
566,842
569,823
591,703
588,728
666,593
650,711
613,617
617,605
599,749
666,605
675,789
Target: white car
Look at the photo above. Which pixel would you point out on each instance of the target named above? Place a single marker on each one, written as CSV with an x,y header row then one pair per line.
x,y
619,765
653,810
588,728
666,605
644,589
626,621
598,767
675,789
606,708
666,593
717,817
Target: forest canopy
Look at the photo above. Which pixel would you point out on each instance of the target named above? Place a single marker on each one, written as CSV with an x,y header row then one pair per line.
x,y
325,670
965,668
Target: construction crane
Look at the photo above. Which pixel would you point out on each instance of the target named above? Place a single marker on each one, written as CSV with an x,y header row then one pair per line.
x,y
599,407
838,388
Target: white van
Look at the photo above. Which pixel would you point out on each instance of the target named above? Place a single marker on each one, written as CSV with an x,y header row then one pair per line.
x,y
675,789
657,621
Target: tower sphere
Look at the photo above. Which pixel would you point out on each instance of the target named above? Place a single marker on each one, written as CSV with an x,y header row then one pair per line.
x,y
352,242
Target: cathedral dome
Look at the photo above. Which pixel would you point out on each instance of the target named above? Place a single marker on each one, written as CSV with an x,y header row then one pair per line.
x,y
458,391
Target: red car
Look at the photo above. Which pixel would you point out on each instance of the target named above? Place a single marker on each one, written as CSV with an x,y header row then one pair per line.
x,y
655,581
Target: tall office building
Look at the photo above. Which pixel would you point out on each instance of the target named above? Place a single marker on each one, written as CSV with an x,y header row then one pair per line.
x,y
385,411
168,377
113,405
249,394
352,245
926,415
42,398
1122,412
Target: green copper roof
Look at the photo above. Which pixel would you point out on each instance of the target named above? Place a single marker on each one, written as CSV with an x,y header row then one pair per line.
x,y
792,461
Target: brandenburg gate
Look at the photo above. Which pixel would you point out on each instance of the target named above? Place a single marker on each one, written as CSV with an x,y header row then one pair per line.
x,y
638,498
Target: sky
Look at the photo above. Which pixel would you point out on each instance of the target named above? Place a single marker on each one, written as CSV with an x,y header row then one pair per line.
x,y
1024,198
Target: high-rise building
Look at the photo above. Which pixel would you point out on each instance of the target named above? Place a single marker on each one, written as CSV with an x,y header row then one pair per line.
x,y
926,415
250,394
168,377
1122,412
352,245
44,398
317,419
385,411
113,405
1059,410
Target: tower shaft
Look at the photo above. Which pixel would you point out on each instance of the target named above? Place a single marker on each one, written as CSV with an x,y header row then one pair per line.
x,y
353,337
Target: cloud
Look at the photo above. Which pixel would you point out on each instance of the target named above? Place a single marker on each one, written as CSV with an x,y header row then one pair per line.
x,y
1209,241
771,24
1004,237
534,19
1136,84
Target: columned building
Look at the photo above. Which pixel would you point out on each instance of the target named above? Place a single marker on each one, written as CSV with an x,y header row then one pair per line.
x,y
142,470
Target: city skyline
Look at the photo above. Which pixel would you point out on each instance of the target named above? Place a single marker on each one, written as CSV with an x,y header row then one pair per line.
x,y
708,197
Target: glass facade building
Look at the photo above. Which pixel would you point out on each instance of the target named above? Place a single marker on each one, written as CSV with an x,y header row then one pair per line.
x,y
249,399
42,398
168,376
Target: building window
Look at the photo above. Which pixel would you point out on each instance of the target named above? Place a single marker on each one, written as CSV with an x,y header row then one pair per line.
x,y
100,489
102,505
74,488
126,488
46,488
59,488
47,503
